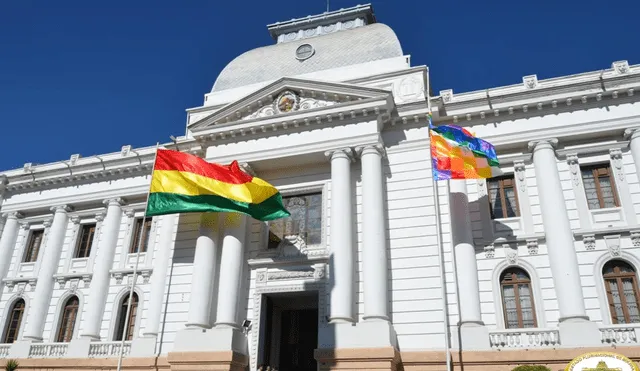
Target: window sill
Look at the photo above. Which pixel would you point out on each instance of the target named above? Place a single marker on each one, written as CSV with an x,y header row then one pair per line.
x,y
22,282
62,279
120,274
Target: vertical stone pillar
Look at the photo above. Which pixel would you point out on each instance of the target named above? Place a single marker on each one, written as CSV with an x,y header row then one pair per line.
x,y
231,269
342,262
39,306
159,277
204,273
633,135
8,242
374,240
575,327
473,333
99,287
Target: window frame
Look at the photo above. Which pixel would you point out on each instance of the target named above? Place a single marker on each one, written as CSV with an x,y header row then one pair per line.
x,y
594,172
503,198
9,320
119,331
618,277
138,224
63,323
515,283
312,191
28,251
87,250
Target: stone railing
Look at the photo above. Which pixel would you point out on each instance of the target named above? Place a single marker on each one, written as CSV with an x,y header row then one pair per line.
x,y
524,338
620,334
48,350
107,349
4,350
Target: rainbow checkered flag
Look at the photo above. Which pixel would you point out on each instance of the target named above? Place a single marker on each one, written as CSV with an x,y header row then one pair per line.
x,y
458,154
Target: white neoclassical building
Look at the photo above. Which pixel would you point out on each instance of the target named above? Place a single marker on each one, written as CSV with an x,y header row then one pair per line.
x,y
537,266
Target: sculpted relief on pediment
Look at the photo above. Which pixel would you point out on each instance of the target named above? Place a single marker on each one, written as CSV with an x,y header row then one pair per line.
x,y
285,102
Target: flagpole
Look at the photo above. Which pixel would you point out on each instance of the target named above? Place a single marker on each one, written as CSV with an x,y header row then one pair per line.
x,y
443,281
135,269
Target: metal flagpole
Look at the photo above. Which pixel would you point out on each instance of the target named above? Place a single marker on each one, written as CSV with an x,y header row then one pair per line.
x,y
443,281
135,269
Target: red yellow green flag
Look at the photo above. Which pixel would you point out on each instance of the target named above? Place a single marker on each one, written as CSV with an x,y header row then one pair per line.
x,y
184,183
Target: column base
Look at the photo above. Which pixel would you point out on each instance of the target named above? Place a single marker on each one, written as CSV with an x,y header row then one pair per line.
x,y
20,349
367,334
578,332
471,336
387,358
219,361
217,339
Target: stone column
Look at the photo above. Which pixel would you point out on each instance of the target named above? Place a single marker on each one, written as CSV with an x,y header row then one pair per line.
x,y
374,240
39,306
204,273
231,267
474,335
8,242
159,278
633,135
342,265
99,287
575,328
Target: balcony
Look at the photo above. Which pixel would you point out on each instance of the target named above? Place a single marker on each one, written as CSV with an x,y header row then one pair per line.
x,y
524,338
48,350
4,350
106,349
620,334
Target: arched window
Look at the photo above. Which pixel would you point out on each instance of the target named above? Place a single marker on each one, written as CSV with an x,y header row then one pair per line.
x,y
517,299
68,320
14,320
122,315
621,283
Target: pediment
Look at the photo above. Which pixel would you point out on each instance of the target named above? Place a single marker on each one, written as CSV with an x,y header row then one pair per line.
x,y
288,96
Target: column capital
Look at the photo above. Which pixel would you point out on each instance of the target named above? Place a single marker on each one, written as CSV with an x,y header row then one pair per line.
x,y
615,153
116,201
340,153
25,225
75,219
572,159
61,209
47,222
13,215
547,143
100,215
130,213
371,148
632,133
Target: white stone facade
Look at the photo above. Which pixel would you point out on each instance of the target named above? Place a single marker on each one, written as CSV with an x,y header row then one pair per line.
x,y
358,138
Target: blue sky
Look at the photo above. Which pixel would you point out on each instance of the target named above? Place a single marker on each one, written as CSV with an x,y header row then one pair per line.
x,y
88,77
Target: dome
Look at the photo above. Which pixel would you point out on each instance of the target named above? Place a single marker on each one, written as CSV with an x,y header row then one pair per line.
x,y
338,49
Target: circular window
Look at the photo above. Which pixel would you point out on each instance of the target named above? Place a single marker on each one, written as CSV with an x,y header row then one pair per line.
x,y
304,51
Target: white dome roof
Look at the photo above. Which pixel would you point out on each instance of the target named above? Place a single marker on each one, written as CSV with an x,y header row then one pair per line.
x,y
342,48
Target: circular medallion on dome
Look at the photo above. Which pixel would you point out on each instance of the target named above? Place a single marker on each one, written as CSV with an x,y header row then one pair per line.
x,y
287,101
304,51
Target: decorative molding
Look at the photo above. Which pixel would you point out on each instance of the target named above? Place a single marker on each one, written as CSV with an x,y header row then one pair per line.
x,y
574,168
532,246
290,275
520,174
511,253
120,274
446,95
635,238
620,67
47,222
489,251
616,161
589,241
482,187
125,150
613,245
530,82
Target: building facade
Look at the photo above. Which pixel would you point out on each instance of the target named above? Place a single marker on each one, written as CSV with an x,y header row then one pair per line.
x,y
376,268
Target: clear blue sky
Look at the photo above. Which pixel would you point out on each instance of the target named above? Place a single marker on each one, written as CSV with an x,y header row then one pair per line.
x,y
88,77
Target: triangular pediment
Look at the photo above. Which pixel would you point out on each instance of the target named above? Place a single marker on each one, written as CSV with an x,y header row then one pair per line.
x,y
288,96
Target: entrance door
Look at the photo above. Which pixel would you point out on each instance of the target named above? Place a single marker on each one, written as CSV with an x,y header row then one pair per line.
x,y
298,340
289,332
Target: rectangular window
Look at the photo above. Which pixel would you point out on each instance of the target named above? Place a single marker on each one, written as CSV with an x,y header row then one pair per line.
x,y
33,246
85,241
142,225
503,197
305,221
599,186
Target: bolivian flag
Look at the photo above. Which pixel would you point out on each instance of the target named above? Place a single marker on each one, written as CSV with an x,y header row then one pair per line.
x,y
183,183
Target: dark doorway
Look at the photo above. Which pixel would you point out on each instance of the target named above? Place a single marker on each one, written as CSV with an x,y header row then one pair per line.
x,y
289,332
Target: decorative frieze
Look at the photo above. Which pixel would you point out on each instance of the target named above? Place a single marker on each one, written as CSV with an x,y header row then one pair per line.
x,y
489,251
616,161
530,82
613,245
520,175
635,238
574,168
620,67
532,246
